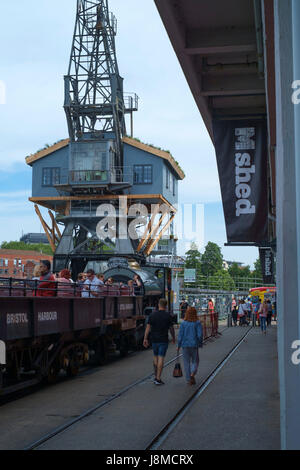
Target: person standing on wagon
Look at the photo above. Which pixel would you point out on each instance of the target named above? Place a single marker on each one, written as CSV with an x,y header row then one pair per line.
x,y
190,339
47,284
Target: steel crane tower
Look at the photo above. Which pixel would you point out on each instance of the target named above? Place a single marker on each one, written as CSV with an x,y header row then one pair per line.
x,y
95,108
94,102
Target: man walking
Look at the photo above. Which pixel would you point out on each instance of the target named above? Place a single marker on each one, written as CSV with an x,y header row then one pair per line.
x,y
160,322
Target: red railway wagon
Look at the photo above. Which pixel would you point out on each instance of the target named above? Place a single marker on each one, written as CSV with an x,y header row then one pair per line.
x,y
41,336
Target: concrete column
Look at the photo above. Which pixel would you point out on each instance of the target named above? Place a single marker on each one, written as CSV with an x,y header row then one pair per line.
x,y
296,63
288,244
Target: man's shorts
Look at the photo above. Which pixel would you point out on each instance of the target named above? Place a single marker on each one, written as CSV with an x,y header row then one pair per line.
x,y
160,349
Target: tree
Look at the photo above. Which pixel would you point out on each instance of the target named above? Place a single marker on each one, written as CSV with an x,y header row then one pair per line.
x,y
193,258
211,260
39,247
234,270
257,269
221,280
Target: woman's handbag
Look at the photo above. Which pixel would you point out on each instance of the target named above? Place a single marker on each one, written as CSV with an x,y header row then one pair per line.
x,y
177,372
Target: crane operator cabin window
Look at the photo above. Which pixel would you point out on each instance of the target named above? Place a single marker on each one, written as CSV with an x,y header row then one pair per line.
x,y
143,174
51,176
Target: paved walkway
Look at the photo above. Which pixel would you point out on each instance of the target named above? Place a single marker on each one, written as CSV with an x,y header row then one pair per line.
x,y
238,410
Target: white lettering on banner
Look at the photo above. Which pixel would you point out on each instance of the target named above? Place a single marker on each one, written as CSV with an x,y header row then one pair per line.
x,y
296,94
16,318
268,264
125,307
47,316
296,354
2,353
244,140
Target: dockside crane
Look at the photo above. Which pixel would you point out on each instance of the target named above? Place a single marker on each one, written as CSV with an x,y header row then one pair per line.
x,y
99,165
95,108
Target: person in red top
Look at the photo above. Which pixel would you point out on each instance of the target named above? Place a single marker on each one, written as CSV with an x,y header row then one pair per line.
x,y
65,285
46,286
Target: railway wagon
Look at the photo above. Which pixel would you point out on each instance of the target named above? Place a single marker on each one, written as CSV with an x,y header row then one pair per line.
x,y
40,336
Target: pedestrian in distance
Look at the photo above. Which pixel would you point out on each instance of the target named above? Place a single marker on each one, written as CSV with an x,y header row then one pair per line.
x,y
242,313
183,308
211,307
159,324
248,308
234,315
269,314
256,310
190,339
263,312
274,311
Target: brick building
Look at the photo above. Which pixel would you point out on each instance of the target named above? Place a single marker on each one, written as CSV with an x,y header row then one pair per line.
x,y
19,263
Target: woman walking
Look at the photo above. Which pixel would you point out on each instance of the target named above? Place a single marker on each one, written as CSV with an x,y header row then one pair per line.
x,y
190,338
263,312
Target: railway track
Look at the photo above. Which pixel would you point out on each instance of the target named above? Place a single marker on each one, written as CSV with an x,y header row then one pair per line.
x,y
159,439
165,431
87,413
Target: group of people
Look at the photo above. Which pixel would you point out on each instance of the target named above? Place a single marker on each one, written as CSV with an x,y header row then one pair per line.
x,y
190,339
184,305
88,285
259,312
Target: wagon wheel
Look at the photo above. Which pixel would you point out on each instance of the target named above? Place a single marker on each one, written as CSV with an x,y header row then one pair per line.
x,y
53,373
73,367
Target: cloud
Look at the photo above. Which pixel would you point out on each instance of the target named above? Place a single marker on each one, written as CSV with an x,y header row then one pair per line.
x,y
16,194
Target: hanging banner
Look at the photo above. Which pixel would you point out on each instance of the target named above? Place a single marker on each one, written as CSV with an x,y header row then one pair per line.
x,y
241,149
267,265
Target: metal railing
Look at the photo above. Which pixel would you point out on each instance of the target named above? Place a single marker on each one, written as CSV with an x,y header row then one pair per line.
x,y
114,175
227,284
10,287
209,322
88,176
131,102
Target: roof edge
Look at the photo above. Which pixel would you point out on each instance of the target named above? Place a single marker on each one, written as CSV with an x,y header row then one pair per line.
x,y
156,151
47,151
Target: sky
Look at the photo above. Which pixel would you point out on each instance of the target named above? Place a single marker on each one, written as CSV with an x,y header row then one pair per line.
x,y
36,38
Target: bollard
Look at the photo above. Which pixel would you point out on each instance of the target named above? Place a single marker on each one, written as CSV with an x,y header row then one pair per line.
x,y
229,320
